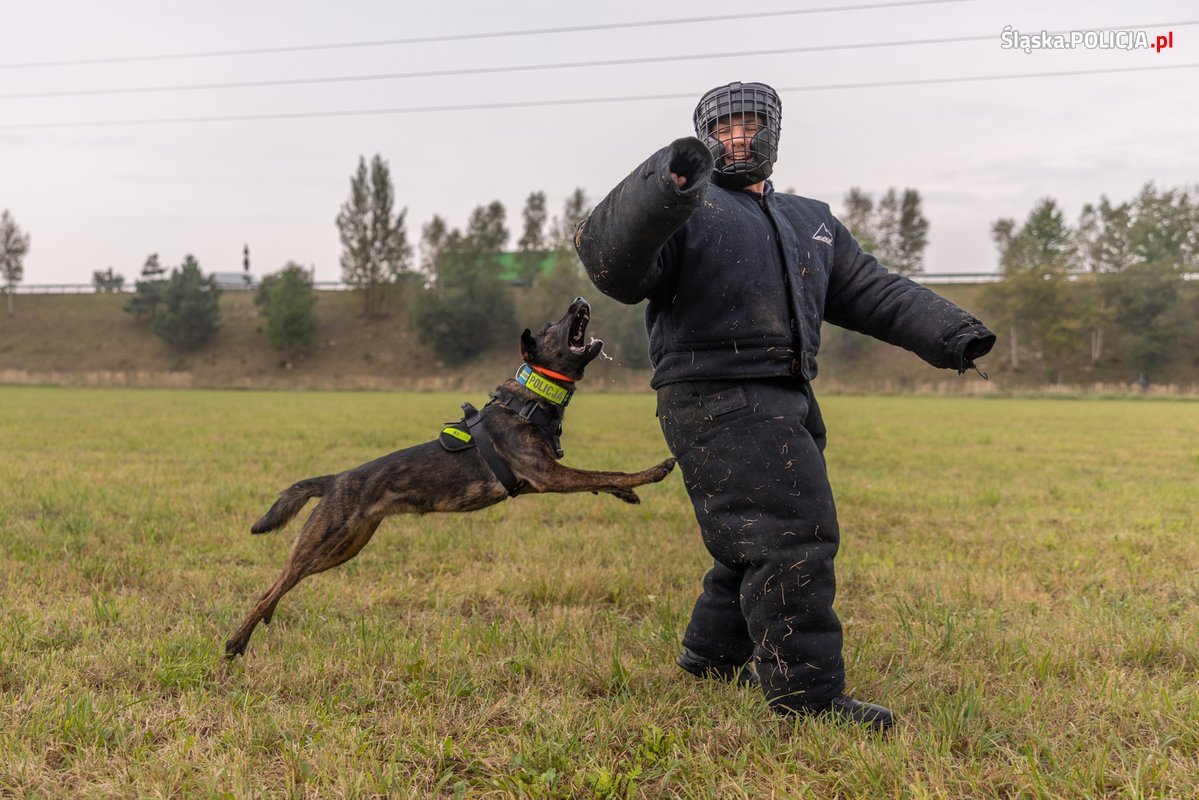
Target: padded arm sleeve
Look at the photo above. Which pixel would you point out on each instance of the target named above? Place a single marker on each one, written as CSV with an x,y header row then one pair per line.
x,y
622,243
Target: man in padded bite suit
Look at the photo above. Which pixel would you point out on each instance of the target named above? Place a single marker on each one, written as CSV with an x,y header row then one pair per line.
x,y
738,278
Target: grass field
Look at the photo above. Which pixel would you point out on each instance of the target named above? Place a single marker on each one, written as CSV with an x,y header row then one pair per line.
x,y
1019,580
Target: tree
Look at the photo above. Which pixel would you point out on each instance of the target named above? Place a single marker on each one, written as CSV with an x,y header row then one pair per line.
x,y
621,326
859,218
1034,298
895,231
188,313
532,241
1148,247
147,294
1100,229
287,300
468,307
375,249
13,247
553,290
562,230
911,237
432,242
108,280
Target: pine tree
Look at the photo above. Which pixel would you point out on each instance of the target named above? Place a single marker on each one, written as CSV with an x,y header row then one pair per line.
x,y
147,294
188,313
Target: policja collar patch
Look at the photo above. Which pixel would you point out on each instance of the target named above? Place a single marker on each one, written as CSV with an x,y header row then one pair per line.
x,y
543,386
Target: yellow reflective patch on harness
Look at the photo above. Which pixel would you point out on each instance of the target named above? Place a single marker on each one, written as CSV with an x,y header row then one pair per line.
x,y
458,434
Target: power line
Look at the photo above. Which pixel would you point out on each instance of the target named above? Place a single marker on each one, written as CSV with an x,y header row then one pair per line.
x,y
441,73
460,37
566,101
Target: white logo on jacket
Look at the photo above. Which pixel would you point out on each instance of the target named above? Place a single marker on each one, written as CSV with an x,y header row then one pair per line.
x,y
822,234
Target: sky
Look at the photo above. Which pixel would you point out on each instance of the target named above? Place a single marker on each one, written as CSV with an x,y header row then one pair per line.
x,y
98,195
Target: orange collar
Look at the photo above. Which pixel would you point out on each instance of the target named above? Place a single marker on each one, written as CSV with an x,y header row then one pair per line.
x,y
549,373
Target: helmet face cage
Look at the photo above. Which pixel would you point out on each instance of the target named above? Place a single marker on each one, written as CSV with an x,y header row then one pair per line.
x,y
740,123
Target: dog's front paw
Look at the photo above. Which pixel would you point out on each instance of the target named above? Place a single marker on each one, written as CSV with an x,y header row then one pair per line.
x,y
627,495
662,470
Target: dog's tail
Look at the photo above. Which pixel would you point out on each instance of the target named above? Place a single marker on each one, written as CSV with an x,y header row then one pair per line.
x,y
290,501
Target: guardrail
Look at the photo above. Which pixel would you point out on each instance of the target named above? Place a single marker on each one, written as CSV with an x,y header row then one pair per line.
x,y
129,288
338,286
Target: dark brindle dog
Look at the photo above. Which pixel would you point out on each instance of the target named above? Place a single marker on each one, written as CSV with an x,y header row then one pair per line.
x,y
507,448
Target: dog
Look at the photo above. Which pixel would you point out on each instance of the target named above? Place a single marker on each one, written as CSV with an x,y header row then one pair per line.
x,y
508,448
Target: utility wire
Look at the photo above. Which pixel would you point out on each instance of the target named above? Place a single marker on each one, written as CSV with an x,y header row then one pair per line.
x,y
441,73
568,101
459,37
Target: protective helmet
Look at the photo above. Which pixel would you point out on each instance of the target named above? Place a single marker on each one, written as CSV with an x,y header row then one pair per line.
x,y
718,107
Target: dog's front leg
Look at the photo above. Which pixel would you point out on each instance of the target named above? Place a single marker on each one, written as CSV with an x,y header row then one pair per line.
x,y
554,477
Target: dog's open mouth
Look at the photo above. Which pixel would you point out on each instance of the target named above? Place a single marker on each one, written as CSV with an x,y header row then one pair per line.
x,y
578,330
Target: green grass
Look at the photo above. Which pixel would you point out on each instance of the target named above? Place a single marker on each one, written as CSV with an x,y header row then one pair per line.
x,y
1019,580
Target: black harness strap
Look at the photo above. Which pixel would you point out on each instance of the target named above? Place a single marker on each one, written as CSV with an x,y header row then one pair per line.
x,y
549,424
478,431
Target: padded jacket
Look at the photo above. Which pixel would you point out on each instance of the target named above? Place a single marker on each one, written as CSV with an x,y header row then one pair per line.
x,y
738,283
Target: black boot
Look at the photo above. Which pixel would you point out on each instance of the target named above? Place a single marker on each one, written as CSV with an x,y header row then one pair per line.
x,y
844,708
701,667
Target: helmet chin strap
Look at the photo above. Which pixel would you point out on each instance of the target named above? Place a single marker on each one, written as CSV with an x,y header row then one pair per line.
x,y
736,180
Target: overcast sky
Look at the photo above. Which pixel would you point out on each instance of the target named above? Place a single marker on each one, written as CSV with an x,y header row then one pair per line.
x,y
93,197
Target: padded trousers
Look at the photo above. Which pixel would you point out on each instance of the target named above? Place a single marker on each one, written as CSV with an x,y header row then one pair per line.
x,y
752,457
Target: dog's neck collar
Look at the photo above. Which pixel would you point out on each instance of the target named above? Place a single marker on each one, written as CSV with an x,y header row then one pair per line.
x,y
551,386
546,418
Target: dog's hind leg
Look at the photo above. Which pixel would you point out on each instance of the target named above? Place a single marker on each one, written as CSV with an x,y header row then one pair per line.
x,y
236,645
347,549
318,547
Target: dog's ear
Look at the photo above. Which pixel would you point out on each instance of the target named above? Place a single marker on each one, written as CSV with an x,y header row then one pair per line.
x,y
528,345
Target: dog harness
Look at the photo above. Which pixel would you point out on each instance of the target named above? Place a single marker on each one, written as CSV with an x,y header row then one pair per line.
x,y
478,432
470,431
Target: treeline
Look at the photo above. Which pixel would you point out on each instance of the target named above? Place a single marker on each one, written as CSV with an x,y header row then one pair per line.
x,y
1114,288
1123,271
459,287
183,307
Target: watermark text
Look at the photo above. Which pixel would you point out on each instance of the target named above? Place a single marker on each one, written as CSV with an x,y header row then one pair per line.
x,y
1013,39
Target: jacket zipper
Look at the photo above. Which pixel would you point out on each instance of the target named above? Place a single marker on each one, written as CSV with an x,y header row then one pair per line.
x,y
796,338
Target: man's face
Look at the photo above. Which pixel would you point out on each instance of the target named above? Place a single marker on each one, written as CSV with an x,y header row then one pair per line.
x,y
736,132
